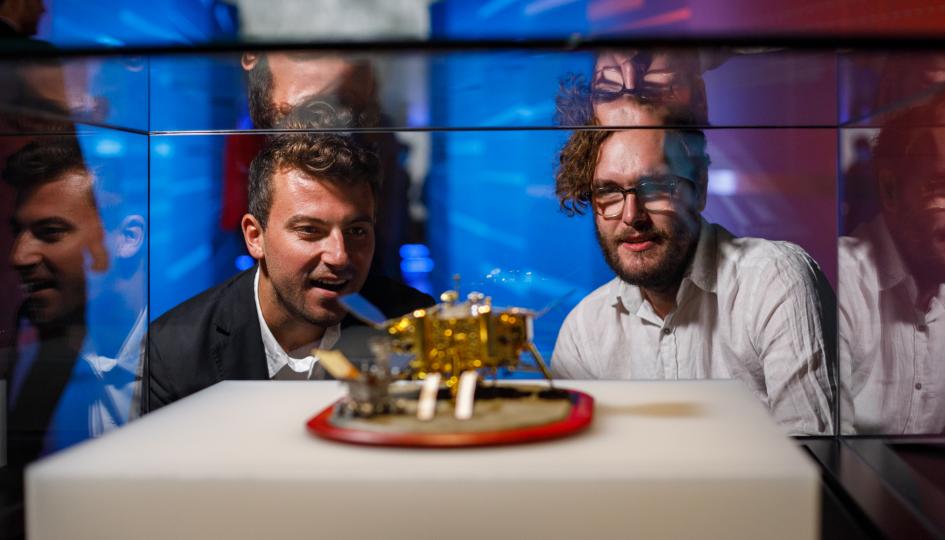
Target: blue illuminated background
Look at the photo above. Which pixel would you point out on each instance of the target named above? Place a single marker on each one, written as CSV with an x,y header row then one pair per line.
x,y
492,214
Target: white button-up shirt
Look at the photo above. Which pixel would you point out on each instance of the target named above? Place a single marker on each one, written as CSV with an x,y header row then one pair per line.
x,y
746,308
301,360
892,354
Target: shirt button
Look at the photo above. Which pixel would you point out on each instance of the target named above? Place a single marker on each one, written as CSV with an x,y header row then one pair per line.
x,y
667,331
918,386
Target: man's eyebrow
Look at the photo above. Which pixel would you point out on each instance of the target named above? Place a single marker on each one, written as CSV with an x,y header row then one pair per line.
x,y
300,219
54,220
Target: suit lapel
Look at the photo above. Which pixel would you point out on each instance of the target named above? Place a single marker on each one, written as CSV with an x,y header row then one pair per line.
x,y
237,350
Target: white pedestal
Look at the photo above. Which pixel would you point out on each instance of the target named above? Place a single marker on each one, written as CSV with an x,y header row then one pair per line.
x,y
697,459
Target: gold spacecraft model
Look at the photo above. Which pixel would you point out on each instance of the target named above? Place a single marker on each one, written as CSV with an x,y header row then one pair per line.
x,y
453,337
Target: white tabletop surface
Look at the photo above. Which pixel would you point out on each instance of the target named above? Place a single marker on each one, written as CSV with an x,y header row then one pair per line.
x,y
661,459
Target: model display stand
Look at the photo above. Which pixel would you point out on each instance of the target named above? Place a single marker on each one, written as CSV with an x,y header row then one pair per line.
x,y
420,385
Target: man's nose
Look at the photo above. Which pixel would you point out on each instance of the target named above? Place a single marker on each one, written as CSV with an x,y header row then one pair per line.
x,y
25,252
633,211
629,73
336,252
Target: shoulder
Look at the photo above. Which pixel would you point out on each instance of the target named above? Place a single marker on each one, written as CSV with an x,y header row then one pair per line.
x,y
745,258
590,308
195,312
856,258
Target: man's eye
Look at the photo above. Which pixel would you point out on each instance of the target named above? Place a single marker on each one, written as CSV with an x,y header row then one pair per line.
x,y
51,234
605,191
358,232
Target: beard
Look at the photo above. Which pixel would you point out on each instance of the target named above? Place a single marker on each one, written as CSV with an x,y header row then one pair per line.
x,y
659,267
292,298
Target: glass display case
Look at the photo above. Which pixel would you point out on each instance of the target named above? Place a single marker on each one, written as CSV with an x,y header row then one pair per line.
x,y
531,172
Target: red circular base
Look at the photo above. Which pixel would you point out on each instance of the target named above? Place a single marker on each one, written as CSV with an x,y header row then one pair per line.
x,y
582,411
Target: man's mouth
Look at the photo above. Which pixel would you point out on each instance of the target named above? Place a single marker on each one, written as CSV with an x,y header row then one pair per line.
x,y
638,243
330,284
32,286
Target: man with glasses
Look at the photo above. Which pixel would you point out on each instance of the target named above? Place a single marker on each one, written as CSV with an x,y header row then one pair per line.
x,y
669,80
689,301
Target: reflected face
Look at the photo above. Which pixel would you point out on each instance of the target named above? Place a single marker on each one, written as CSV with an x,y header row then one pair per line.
x,y
318,245
647,246
297,77
921,216
31,11
665,79
58,232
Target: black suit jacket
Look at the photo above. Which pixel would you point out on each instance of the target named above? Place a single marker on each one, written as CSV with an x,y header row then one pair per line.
x,y
215,336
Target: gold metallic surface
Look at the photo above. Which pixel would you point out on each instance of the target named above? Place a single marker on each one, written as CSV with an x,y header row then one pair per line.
x,y
454,337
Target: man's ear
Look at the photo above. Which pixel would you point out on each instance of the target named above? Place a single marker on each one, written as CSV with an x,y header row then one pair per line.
x,y
888,196
130,236
249,60
253,236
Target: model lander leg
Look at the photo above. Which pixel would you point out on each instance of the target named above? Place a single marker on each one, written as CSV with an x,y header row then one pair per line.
x,y
426,403
466,395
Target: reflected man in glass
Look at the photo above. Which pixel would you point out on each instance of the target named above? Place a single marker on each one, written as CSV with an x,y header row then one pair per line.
x,y
79,254
892,283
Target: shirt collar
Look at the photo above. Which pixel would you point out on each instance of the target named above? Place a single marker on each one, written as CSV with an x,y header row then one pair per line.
x,y
129,354
701,271
276,357
890,268
11,23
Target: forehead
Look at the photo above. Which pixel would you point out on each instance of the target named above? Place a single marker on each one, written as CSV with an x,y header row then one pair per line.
x,y
658,59
69,195
923,155
295,192
296,75
631,153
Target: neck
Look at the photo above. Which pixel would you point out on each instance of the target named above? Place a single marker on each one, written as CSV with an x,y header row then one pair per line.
x,y
927,278
927,289
69,334
13,24
663,299
113,314
290,331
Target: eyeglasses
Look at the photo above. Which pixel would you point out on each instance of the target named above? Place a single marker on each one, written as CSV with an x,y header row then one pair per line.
x,y
609,85
654,193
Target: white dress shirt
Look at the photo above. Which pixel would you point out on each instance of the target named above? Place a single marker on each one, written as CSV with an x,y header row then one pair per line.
x,y
892,354
103,393
746,308
296,364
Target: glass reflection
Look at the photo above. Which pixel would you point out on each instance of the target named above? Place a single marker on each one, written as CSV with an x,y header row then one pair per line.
x,y
79,252
689,300
892,291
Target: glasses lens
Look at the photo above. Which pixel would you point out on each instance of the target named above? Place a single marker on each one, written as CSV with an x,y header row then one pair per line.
x,y
656,193
609,202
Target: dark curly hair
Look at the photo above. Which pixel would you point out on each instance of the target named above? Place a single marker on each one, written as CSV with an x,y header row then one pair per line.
x,y
907,133
268,115
578,160
335,157
43,160
573,102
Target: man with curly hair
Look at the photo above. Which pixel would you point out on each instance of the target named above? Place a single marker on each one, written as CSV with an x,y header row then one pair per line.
x,y
689,300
